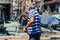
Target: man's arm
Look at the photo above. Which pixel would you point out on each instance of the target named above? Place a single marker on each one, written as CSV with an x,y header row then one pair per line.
x,y
30,22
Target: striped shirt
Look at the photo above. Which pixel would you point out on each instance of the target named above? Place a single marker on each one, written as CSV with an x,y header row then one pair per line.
x,y
36,26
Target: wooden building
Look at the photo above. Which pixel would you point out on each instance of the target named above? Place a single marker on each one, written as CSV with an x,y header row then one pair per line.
x,y
24,4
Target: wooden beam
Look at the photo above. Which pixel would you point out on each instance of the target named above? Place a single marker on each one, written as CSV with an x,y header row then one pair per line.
x,y
50,2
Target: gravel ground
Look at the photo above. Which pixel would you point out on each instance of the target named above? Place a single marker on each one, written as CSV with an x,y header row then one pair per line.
x,y
25,37
22,37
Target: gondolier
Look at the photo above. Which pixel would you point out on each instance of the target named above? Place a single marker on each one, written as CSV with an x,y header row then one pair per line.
x,y
33,27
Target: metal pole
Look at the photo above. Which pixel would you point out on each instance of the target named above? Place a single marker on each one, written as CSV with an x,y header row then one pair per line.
x,y
19,6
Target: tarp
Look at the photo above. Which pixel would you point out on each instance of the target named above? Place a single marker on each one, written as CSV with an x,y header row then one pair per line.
x,y
47,19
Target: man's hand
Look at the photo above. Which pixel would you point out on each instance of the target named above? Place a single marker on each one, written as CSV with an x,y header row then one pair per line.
x,y
24,29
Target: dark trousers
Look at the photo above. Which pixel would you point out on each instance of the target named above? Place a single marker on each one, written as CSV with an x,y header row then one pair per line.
x,y
35,36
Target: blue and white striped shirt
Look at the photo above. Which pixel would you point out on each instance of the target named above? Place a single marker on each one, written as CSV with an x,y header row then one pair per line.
x,y
36,26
